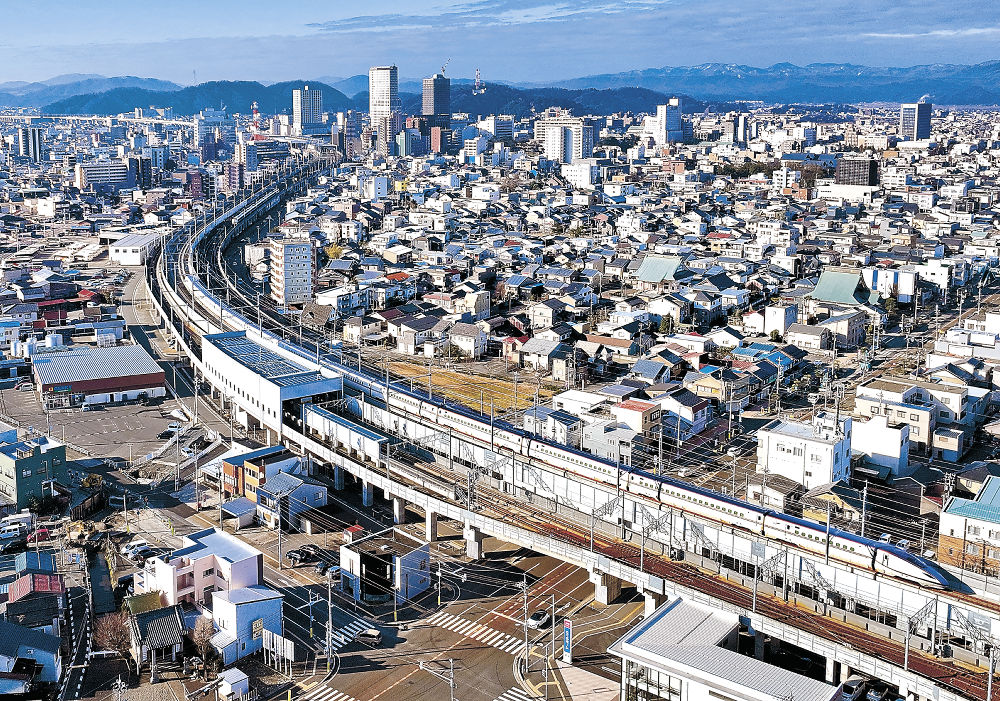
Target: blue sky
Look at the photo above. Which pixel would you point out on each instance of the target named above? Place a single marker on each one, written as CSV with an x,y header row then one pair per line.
x,y
518,40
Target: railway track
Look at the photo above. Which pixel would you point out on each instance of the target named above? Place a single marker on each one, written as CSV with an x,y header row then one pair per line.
x,y
948,674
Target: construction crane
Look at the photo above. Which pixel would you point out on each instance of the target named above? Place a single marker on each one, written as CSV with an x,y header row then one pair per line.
x,y
480,86
445,65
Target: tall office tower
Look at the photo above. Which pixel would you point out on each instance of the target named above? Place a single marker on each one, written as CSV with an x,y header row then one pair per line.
x,y
915,121
293,269
384,106
567,139
307,110
29,143
856,171
667,126
437,100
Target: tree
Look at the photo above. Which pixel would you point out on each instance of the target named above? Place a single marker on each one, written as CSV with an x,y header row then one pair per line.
x,y
334,251
114,632
204,629
667,324
775,336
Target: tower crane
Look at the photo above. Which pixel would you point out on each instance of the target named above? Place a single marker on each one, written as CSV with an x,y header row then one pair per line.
x,y
445,65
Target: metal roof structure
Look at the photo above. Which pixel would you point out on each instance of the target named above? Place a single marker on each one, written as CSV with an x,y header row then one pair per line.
x,y
262,361
65,365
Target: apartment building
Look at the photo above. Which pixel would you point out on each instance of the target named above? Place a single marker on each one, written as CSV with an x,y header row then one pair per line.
x,y
293,269
811,454
969,530
207,561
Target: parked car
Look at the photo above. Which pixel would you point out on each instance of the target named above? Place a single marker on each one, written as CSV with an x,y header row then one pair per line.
x,y
140,555
39,535
540,619
298,557
13,545
854,688
132,546
165,435
311,549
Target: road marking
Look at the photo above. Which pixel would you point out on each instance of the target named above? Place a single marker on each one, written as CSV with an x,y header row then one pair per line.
x,y
325,693
477,631
515,693
345,634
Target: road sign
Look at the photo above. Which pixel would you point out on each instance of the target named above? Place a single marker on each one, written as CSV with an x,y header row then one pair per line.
x,y
568,641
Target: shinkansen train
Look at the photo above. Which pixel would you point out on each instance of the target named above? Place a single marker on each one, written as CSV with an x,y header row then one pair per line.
x,y
665,492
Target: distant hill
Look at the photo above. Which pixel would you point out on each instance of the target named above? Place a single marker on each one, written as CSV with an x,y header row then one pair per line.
x,y
977,84
20,94
235,95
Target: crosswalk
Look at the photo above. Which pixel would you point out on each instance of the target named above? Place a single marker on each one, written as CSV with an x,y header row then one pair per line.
x,y
325,693
345,634
515,693
477,631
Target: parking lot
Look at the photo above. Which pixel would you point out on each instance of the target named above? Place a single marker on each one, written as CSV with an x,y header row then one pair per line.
x,y
124,431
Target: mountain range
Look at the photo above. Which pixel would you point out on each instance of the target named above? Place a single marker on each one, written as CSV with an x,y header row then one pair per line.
x,y
710,84
237,96
946,84
40,94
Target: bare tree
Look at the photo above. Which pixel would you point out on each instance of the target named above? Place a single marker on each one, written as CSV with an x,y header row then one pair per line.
x,y
202,634
114,632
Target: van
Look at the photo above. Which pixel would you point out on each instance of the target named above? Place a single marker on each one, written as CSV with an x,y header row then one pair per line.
x,y
11,530
854,688
369,636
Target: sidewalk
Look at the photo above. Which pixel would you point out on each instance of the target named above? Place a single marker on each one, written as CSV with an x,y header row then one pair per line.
x,y
582,685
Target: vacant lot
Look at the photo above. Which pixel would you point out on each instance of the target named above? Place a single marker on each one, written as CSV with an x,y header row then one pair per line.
x,y
475,391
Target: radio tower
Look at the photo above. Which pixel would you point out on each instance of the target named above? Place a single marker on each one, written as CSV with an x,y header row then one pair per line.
x,y
480,86
255,123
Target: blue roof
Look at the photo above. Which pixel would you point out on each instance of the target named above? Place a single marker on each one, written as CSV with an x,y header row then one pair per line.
x,y
985,506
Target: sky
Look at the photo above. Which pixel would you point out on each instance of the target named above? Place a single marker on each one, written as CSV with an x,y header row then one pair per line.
x,y
189,41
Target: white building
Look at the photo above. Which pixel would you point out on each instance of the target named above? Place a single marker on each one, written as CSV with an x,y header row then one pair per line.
x,y
307,110
666,125
259,384
811,454
686,650
207,561
293,269
132,249
884,445
566,139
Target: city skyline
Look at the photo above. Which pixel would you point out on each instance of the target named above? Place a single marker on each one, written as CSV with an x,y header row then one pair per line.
x,y
508,39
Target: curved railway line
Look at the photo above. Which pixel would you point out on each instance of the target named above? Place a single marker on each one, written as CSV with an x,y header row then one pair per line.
x,y
180,256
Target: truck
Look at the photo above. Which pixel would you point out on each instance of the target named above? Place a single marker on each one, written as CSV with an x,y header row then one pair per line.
x,y
25,520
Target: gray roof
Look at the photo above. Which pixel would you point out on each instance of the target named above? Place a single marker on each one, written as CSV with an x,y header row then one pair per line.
x,y
160,628
76,364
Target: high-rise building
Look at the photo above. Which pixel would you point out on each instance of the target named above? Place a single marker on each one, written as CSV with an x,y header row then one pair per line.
x,y
567,139
29,143
140,172
246,155
437,100
384,106
915,121
211,124
667,124
856,171
102,174
307,110
293,269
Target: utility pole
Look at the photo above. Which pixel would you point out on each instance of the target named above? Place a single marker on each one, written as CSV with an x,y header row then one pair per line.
x,y
329,619
527,651
864,507
449,677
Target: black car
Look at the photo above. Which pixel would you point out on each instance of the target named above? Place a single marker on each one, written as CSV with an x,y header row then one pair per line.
x,y
311,549
321,567
298,557
13,545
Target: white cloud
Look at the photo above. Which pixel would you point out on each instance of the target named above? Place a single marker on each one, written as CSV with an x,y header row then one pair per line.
x,y
936,33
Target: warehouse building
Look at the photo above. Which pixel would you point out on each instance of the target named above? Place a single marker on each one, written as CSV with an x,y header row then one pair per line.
x,y
68,376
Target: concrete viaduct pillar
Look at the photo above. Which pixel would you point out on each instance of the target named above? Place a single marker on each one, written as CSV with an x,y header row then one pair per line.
x,y
430,526
367,493
473,542
606,587
398,511
338,477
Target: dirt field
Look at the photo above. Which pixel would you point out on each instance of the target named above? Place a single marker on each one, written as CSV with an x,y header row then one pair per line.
x,y
473,390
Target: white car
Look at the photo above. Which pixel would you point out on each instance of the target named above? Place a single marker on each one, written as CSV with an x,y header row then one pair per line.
x,y
539,619
131,547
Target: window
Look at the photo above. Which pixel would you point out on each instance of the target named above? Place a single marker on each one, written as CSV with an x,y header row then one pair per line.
x,y
209,572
